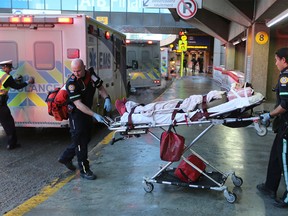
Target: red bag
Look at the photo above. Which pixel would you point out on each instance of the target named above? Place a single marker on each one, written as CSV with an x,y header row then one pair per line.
x,y
171,146
57,103
187,173
57,100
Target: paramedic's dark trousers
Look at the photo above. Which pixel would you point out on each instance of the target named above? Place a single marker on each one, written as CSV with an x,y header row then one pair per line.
x,y
278,162
8,124
80,129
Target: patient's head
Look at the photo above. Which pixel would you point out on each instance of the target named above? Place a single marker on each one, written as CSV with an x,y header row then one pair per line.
x,y
237,86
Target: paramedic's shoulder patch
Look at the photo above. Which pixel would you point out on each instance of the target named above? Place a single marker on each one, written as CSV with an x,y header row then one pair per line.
x,y
284,80
71,87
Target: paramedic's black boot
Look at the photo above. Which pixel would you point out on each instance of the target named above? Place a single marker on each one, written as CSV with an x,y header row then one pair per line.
x,y
279,203
68,164
88,175
10,147
266,191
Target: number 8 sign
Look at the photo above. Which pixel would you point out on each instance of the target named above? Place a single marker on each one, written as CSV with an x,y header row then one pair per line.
x,y
261,37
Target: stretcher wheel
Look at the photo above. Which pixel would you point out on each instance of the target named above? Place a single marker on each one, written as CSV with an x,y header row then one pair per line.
x,y
230,197
262,131
237,181
148,187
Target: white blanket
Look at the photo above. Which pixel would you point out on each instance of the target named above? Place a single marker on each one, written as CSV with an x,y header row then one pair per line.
x,y
160,112
189,104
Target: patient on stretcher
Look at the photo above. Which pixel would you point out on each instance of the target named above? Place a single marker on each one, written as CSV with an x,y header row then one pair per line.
x,y
214,102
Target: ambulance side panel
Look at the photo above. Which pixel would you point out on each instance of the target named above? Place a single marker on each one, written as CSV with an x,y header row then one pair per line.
x,y
45,53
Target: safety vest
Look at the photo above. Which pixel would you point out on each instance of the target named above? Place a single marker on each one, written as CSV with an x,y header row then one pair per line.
x,y
3,77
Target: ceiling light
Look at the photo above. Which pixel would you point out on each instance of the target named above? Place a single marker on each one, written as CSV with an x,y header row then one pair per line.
x,y
236,42
278,18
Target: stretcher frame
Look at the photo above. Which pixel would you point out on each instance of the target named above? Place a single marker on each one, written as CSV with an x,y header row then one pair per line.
x,y
215,179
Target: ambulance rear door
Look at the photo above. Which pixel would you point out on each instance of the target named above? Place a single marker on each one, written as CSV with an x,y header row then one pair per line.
x,y
37,53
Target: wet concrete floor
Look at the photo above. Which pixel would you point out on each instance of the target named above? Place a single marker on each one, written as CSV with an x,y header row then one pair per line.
x,y
119,188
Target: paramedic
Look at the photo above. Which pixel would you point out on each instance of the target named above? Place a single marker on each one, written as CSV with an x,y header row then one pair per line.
x,y
80,119
6,119
278,162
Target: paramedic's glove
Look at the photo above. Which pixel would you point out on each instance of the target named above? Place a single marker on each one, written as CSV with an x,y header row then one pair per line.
x,y
107,104
31,80
265,118
98,117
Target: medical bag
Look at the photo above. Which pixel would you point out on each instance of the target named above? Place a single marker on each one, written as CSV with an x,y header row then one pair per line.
x,y
57,99
187,173
171,146
57,103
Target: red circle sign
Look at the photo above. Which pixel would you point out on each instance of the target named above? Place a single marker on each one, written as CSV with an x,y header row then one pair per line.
x,y
186,9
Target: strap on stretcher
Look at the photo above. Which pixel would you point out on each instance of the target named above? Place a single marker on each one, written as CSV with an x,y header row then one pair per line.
x,y
205,113
130,123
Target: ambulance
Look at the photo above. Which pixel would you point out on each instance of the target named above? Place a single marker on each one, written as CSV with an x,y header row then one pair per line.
x,y
43,46
143,63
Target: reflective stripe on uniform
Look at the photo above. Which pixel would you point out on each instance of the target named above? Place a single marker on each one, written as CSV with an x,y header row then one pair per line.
x,y
283,93
285,167
3,78
3,92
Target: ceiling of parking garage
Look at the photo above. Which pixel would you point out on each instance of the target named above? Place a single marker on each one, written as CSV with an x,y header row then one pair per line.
x,y
227,19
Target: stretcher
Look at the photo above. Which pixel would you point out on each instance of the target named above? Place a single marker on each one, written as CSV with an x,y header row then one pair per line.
x,y
214,179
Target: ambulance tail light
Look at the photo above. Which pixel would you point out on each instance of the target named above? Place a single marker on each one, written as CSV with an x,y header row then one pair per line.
x,y
157,82
27,19
150,42
73,53
65,20
14,19
107,35
37,21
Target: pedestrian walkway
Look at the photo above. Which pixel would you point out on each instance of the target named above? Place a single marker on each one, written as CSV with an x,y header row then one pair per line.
x,y
120,168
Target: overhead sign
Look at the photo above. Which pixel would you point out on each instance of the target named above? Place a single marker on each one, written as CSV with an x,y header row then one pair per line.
x,y
102,19
166,3
186,9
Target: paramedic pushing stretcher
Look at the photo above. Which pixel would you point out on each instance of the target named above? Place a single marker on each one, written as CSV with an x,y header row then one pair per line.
x,y
278,162
81,95
6,119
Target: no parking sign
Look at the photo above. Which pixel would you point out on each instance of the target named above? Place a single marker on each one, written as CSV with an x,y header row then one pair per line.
x,y
186,9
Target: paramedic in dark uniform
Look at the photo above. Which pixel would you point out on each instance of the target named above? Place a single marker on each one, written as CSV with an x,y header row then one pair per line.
x,y
80,119
278,162
6,119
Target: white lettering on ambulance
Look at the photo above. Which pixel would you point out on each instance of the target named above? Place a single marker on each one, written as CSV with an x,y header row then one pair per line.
x,y
37,88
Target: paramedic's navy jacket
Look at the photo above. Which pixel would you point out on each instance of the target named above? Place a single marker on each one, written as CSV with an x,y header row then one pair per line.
x,y
80,123
278,156
282,93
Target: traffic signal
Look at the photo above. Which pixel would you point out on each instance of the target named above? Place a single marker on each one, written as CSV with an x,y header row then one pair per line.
x,y
181,33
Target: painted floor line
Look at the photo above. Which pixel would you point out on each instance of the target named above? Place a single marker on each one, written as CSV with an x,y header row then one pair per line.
x,y
34,201
48,191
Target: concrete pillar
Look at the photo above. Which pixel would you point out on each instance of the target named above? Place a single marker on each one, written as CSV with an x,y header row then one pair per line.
x,y
257,53
230,56
217,53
